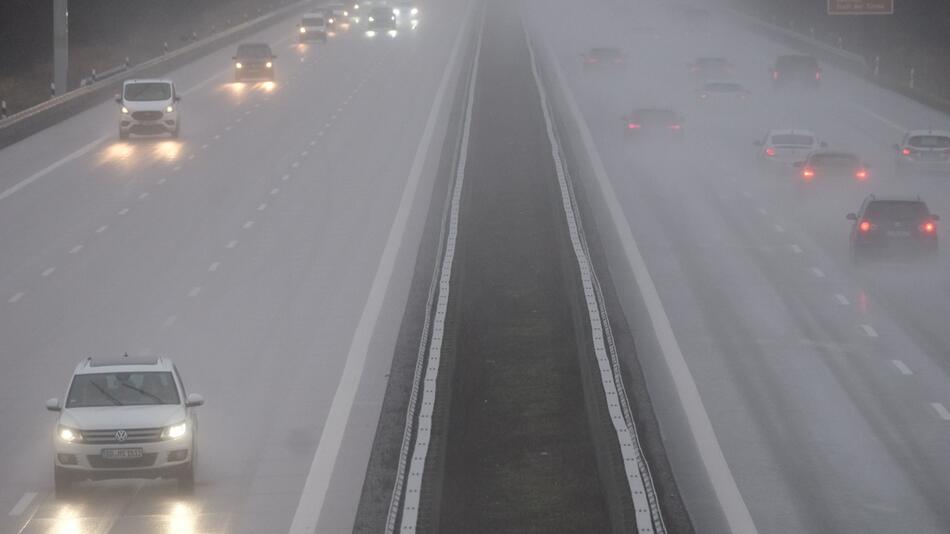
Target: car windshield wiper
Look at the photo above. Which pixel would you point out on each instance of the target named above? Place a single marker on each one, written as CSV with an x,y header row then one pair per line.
x,y
158,399
114,400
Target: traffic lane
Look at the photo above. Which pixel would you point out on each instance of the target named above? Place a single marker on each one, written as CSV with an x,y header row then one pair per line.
x,y
382,172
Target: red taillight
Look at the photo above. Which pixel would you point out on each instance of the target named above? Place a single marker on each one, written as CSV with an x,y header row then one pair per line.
x,y
808,174
774,74
693,68
861,175
928,227
906,151
675,126
633,126
590,60
865,226
818,75
769,151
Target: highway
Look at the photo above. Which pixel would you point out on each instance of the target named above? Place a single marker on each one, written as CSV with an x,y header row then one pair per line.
x,y
827,386
265,252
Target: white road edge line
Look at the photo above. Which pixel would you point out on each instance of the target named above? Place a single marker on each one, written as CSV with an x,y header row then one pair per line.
x,y
902,367
39,174
310,506
714,462
23,503
941,411
842,299
868,330
639,480
817,272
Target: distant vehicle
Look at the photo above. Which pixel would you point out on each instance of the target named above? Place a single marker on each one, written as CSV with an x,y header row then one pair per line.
x,y
313,27
892,227
654,122
148,107
780,149
381,20
407,13
922,151
338,18
703,69
125,418
832,166
597,57
729,94
353,9
796,70
254,61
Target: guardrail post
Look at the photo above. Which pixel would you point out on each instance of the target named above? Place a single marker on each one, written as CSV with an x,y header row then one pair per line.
x,y
94,75
3,109
194,36
911,83
164,48
877,65
840,42
52,89
127,62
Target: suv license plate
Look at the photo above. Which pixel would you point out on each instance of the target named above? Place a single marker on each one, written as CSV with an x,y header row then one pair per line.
x,y
897,233
121,454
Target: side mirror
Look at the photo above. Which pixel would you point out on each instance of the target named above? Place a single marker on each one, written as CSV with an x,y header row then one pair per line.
x,y
823,144
757,142
798,164
273,56
53,405
851,217
118,99
234,58
177,98
934,216
194,400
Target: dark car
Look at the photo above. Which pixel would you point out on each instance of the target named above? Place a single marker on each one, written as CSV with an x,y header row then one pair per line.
x,y
603,56
895,228
381,20
832,166
796,71
654,122
702,69
254,61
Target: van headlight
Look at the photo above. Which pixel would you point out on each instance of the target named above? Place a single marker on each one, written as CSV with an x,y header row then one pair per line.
x,y
371,19
69,435
396,11
125,110
268,64
169,109
303,30
175,431
414,11
238,65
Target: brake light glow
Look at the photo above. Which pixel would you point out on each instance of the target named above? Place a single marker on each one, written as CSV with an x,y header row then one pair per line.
x,y
769,151
865,226
808,174
774,74
818,75
633,126
861,175
906,151
928,227
590,60
675,126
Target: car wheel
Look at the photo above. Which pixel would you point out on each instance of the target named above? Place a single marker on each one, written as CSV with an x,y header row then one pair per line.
x,y
123,135
62,481
176,132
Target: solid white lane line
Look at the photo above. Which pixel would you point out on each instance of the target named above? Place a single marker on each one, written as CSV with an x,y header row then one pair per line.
x,y
941,411
304,154
310,506
795,248
48,272
102,228
817,272
881,118
262,207
16,298
902,367
761,211
868,330
123,211
23,503
294,165
274,191
194,291
778,228
214,266
75,249
710,452
232,244
842,299
170,321
248,224
52,167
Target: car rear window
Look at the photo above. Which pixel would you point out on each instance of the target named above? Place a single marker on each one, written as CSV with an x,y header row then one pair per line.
x,y
654,116
254,51
605,53
834,160
712,62
313,21
896,210
796,62
792,140
122,389
929,141
722,87
148,91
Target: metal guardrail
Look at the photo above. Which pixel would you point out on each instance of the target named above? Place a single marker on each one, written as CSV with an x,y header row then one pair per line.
x,y
106,74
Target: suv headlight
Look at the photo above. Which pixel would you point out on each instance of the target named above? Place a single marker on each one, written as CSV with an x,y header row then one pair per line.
x,y
414,11
303,30
238,65
69,435
175,431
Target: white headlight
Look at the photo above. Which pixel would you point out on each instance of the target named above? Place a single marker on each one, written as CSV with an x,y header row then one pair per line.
x,y
238,65
169,109
125,110
175,431
268,64
371,19
371,33
67,434
414,11
395,11
303,30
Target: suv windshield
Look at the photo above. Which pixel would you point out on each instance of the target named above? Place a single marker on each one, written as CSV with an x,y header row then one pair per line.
x,y
929,141
793,140
148,91
656,116
313,21
719,87
254,51
605,53
834,160
122,389
896,210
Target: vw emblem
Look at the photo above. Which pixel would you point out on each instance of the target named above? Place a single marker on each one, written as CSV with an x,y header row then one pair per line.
x,y
121,435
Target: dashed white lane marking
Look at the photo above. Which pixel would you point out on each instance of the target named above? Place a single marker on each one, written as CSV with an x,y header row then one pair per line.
x,y
23,503
881,118
941,411
747,194
274,191
285,177
262,207
228,128
842,299
313,143
761,211
161,181
817,272
868,330
39,174
304,154
902,367
123,211
16,298
326,125
191,156
248,112
232,244
237,119
778,228
170,321
102,228
320,133
48,272
795,248
214,267
204,146
194,291
248,224
143,196
295,164
75,249
176,168
216,137
339,110
332,117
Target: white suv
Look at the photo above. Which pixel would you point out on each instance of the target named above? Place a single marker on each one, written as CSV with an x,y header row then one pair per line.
x,y
148,107
125,418
313,27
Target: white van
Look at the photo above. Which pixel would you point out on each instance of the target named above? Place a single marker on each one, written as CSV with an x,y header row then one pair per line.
x,y
313,27
148,107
